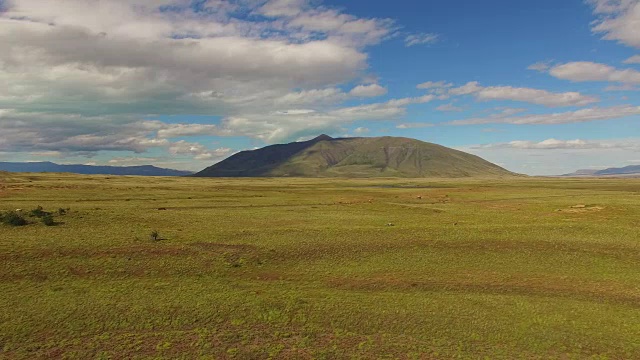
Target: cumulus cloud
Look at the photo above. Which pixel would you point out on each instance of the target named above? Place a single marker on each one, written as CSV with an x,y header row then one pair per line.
x,y
529,157
434,85
582,115
528,95
413,125
539,66
64,135
633,60
624,87
180,130
590,71
79,75
20,132
420,39
554,144
534,96
371,90
199,151
618,20
449,107
276,8
274,127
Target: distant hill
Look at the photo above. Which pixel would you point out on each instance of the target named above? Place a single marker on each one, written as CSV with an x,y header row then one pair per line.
x,y
144,170
627,170
354,157
633,170
582,172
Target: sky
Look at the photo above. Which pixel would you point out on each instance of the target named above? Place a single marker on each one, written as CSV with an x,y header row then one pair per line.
x,y
539,87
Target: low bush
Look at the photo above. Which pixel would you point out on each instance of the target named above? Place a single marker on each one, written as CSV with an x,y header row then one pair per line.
x,y
48,220
14,219
39,212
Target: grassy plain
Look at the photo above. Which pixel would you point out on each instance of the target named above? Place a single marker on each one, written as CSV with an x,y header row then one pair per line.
x,y
321,268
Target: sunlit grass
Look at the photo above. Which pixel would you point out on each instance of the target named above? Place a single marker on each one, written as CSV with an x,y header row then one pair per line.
x,y
311,268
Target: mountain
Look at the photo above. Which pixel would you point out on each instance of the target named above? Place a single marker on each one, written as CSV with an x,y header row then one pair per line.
x,y
627,170
582,172
354,157
633,171
144,170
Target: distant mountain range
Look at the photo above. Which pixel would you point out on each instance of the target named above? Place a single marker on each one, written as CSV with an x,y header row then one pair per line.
x,y
354,157
633,170
144,170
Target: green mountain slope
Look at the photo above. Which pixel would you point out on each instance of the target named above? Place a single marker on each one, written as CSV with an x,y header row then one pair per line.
x,y
354,157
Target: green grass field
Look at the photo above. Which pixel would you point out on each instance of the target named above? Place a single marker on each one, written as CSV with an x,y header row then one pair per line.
x,y
321,268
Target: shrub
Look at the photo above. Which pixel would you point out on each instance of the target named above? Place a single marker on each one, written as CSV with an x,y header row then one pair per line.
x,y
14,219
62,211
39,212
48,220
155,235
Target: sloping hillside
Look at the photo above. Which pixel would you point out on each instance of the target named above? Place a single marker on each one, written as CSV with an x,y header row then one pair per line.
x,y
354,157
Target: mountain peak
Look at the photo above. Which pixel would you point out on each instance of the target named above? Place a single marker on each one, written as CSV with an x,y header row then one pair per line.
x,y
323,137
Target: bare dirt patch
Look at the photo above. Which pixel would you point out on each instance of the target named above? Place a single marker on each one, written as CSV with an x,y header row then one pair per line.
x,y
579,209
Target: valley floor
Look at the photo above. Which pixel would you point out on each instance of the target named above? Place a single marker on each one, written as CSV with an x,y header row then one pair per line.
x,y
320,268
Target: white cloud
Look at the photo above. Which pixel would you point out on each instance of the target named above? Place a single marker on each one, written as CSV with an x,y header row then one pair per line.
x,y
277,8
361,130
539,66
422,38
589,71
449,107
371,90
330,95
180,130
79,75
434,85
554,156
554,144
61,135
633,60
274,127
132,161
533,96
583,115
343,28
20,132
413,125
623,87
48,154
199,151
508,111
466,89
618,20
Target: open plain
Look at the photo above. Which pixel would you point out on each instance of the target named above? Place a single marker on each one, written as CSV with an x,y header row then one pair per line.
x,y
320,268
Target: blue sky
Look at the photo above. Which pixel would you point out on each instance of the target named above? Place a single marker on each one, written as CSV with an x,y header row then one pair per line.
x,y
541,88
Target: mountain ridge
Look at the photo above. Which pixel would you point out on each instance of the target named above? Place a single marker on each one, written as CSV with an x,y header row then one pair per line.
x,y
627,170
324,156
47,166
631,170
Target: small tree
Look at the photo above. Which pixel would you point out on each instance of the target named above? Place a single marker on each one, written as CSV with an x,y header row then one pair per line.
x,y
155,235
